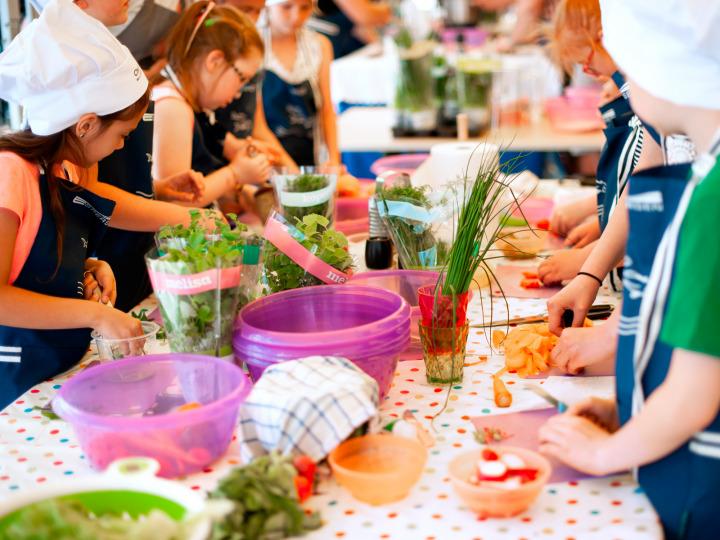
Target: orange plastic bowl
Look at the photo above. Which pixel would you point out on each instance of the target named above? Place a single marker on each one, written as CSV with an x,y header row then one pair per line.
x,y
378,469
489,501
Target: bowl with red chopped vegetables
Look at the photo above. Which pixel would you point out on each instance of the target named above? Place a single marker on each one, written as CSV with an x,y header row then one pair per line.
x,y
499,482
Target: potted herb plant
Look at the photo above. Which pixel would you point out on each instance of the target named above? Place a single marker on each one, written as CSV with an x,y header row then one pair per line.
x,y
300,255
196,274
414,93
311,191
444,326
474,86
420,224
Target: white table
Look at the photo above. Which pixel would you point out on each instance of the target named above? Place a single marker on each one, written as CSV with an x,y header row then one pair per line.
x,y
369,129
35,450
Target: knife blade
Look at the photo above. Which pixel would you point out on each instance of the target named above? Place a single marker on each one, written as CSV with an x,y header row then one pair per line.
x,y
561,406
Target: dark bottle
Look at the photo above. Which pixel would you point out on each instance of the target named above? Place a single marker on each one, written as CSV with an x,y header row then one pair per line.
x,y
378,248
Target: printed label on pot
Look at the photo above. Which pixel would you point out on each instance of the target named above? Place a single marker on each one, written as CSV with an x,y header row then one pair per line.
x,y
183,284
308,198
279,235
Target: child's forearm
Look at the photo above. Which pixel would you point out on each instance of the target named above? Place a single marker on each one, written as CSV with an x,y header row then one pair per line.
x,y
134,213
330,133
21,308
692,386
218,183
609,250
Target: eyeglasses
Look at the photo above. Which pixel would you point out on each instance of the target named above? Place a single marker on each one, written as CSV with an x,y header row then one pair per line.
x,y
199,23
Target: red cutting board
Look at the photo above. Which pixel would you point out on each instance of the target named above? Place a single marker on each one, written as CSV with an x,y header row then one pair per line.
x,y
523,428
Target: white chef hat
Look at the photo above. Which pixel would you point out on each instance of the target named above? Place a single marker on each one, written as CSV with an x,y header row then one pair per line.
x,y
671,48
66,64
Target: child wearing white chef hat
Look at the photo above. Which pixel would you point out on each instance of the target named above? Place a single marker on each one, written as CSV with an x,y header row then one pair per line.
x,y
108,12
666,419
82,93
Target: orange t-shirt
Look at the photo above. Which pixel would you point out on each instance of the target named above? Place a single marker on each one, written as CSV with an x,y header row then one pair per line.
x,y
20,194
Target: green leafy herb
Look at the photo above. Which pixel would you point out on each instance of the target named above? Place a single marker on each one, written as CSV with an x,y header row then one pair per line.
x,y
265,502
281,273
306,183
64,519
415,242
142,316
200,322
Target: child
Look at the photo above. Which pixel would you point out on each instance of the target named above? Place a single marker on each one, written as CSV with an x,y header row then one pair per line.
x,y
245,116
129,169
79,108
212,52
296,88
577,33
665,420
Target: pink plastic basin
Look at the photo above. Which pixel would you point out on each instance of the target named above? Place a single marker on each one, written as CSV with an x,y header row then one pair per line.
x,y
406,163
405,283
367,325
133,407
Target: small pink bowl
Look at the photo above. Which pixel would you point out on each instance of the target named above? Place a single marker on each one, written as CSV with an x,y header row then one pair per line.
x,y
495,501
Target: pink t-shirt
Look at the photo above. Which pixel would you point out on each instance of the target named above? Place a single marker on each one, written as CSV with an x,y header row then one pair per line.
x,y
20,193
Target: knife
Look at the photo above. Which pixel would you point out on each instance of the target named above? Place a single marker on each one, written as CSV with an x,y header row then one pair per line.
x,y
600,311
561,406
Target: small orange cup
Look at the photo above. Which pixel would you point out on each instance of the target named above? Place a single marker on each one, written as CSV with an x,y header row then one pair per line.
x,y
378,469
488,501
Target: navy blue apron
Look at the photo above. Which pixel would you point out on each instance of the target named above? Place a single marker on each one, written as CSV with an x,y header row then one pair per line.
x,y
239,117
291,113
28,357
130,170
619,156
684,487
343,37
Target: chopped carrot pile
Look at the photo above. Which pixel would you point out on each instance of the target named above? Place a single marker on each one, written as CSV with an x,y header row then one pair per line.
x,y
498,336
528,348
531,283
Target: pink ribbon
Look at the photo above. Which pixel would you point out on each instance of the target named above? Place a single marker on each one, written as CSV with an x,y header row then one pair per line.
x,y
195,283
278,234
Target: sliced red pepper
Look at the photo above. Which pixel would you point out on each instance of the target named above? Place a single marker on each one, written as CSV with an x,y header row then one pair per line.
x,y
530,284
305,467
543,224
489,455
303,488
530,275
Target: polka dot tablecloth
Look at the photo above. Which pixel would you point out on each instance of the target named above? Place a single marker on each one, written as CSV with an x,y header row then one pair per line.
x,y
35,450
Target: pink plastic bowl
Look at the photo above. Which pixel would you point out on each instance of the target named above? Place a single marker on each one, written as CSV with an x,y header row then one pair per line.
x,y
407,163
366,325
573,115
131,408
405,283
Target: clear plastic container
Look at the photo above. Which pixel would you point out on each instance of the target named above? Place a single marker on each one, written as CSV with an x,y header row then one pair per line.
x,y
114,349
178,409
366,325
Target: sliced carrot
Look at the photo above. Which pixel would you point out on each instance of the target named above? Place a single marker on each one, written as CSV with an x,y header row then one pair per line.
x,y
498,336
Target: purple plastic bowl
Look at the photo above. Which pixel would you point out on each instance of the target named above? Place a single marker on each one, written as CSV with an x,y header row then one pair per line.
x,y
130,408
367,325
405,283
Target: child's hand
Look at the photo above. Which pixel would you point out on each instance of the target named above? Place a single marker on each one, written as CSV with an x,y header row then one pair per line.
x,y
568,216
576,441
599,410
250,170
187,186
272,153
577,296
562,266
579,348
584,234
115,324
99,282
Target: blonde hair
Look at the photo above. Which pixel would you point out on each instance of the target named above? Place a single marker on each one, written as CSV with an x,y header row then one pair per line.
x,y
224,28
576,23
